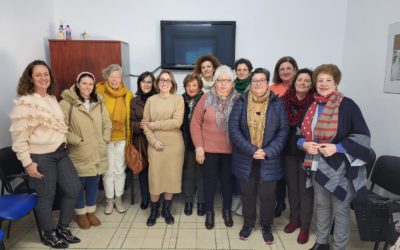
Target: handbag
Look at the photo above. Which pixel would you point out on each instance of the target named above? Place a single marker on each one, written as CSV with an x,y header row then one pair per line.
x,y
134,158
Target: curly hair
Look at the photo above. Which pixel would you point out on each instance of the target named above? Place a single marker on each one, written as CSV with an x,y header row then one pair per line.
x,y
214,61
25,84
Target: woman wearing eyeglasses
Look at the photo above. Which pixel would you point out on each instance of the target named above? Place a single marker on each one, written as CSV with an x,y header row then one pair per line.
x,y
209,130
162,120
258,128
145,89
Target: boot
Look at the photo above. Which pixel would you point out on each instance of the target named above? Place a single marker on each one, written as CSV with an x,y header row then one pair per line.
x,y
318,246
109,206
227,216
82,221
166,212
91,215
209,220
118,205
188,208
200,209
65,234
154,213
51,239
303,236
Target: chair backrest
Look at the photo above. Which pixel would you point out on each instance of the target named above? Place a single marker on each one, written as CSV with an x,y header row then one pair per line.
x,y
386,173
9,166
371,162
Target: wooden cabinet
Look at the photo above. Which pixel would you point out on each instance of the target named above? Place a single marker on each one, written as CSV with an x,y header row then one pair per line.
x,y
69,58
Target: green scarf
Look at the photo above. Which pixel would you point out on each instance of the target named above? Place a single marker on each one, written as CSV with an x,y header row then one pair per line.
x,y
241,85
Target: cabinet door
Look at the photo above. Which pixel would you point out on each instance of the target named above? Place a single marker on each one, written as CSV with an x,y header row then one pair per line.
x,y
67,61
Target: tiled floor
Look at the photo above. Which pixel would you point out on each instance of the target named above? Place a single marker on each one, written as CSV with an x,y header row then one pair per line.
x,y
129,231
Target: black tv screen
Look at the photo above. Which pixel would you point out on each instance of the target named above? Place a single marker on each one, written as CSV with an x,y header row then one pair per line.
x,y
182,42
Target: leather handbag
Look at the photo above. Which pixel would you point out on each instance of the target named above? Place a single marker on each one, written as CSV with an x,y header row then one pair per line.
x,y
134,158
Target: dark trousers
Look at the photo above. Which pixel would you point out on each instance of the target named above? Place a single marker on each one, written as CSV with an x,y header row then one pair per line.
x,y
88,194
265,190
192,181
144,184
281,187
217,166
301,199
58,171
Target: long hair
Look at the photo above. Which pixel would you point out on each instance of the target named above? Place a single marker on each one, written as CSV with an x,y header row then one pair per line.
x,y
93,95
25,84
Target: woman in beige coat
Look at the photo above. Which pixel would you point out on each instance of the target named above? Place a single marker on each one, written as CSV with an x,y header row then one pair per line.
x,y
162,120
88,134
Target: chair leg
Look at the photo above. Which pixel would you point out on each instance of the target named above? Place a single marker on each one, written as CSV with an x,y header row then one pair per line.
x,y
37,225
376,245
8,229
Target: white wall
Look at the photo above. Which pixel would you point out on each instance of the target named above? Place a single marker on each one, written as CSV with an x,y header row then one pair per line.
x,y
364,62
25,26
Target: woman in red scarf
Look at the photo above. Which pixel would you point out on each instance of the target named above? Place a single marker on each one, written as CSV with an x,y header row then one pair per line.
x,y
297,98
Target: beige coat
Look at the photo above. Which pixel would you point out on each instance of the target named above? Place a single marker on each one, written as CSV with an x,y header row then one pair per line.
x,y
88,134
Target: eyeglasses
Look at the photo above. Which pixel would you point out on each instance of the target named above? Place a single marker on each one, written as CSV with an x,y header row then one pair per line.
x,y
162,80
258,81
225,81
147,82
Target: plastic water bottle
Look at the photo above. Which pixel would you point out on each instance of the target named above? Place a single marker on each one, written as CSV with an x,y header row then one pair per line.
x,y
68,33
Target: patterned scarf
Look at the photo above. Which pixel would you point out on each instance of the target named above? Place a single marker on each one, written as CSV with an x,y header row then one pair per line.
x,y
241,85
114,100
207,85
295,107
191,102
222,107
326,127
256,116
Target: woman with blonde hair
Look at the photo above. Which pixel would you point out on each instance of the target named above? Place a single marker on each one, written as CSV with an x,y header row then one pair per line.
x,y
117,99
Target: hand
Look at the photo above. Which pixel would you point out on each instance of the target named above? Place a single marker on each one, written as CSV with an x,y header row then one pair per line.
x,y
200,155
143,124
327,149
311,147
158,146
259,154
33,171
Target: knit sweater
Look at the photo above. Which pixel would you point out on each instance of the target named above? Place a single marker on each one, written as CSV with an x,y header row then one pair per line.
x,y
37,126
205,132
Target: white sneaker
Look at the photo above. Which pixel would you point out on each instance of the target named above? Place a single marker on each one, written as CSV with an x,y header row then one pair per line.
x,y
235,203
109,206
118,205
239,210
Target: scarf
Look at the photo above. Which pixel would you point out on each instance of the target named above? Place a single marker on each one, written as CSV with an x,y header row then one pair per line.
x,y
241,85
256,116
207,85
326,127
191,102
114,100
222,107
295,107
144,96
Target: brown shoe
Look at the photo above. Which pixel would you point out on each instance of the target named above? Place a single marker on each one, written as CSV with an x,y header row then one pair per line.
x,y
94,221
82,221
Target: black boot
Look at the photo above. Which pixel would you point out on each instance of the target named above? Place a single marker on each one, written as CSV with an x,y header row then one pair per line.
x,y
209,220
52,240
154,213
64,233
166,212
200,209
188,208
226,215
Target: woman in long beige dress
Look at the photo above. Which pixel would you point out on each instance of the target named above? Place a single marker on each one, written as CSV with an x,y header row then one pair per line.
x,y
162,119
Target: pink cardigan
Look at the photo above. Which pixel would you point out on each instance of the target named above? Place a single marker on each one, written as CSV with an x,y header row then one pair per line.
x,y
204,131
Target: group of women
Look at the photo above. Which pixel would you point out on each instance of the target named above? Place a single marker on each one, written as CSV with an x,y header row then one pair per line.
x,y
238,131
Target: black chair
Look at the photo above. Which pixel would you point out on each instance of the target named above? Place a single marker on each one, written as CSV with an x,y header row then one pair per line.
x,y
11,170
373,217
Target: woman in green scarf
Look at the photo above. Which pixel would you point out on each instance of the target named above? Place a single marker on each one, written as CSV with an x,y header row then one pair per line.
x,y
243,69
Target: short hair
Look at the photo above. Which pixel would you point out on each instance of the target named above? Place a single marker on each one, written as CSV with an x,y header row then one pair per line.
x,y
261,71
224,69
289,59
93,94
214,61
330,69
192,77
111,68
141,78
243,61
25,84
174,85
304,71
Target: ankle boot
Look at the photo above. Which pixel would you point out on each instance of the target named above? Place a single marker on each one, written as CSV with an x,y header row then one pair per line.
x,y
227,216
94,221
209,220
188,208
82,221
109,206
119,205
154,213
166,212
52,240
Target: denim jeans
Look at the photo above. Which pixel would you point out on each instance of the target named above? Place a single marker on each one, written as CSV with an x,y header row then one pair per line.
x,y
88,195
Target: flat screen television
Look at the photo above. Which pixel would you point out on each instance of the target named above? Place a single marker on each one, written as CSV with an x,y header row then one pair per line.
x,y
182,42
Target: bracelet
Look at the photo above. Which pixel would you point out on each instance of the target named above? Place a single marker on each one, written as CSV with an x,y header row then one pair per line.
x,y
30,164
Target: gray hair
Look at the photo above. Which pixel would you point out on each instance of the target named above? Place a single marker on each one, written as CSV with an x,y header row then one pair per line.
x,y
111,68
223,69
